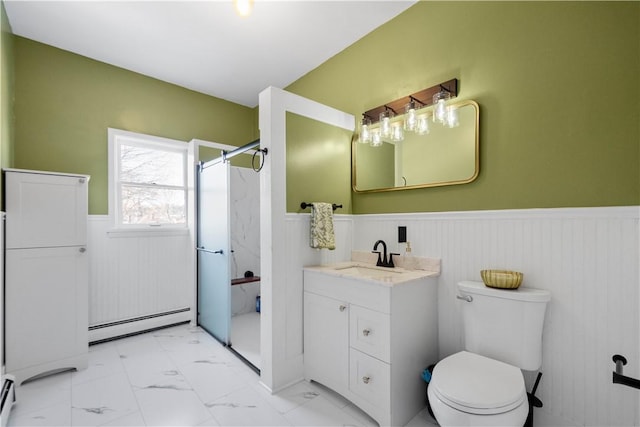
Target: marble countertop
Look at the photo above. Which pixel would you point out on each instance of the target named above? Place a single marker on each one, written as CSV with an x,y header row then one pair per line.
x,y
369,272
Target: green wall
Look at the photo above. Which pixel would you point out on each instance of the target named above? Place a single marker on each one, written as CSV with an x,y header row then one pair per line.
x,y
310,146
558,86
65,103
6,95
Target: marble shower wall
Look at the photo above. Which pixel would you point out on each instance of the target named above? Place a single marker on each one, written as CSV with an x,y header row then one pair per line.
x,y
245,221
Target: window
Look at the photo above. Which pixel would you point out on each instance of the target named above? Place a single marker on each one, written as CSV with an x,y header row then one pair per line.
x,y
148,181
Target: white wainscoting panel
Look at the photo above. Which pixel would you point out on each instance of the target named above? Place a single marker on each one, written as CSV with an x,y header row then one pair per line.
x,y
137,275
586,257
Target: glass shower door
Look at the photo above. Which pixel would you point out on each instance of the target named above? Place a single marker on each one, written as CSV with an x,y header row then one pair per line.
x,y
214,290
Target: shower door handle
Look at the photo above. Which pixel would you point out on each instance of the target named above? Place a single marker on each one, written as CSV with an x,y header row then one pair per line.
x,y
203,249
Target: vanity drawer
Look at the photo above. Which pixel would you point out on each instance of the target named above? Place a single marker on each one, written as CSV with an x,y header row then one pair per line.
x,y
369,332
370,379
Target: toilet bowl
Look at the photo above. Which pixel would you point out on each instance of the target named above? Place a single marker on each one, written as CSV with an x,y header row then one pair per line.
x,y
468,389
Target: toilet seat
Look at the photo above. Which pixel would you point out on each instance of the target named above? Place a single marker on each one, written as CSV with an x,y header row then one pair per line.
x,y
476,384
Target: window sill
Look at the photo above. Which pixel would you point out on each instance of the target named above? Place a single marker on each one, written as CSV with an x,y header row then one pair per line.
x,y
147,232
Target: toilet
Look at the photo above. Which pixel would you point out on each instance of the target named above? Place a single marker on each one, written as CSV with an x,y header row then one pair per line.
x,y
483,385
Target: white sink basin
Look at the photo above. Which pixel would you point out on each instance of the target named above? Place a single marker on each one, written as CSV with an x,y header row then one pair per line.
x,y
366,271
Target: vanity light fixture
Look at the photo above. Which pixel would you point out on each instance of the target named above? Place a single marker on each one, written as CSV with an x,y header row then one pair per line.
x,y
415,117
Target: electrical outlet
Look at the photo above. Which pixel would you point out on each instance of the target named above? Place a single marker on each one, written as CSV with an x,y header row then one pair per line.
x,y
402,234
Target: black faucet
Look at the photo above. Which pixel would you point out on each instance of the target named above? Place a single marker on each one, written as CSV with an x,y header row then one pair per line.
x,y
383,261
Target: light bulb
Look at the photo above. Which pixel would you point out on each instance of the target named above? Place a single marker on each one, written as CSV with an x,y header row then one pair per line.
x,y
365,132
385,124
422,125
376,139
365,135
243,7
397,133
440,108
452,117
410,117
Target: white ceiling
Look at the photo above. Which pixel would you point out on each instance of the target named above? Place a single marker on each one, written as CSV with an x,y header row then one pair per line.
x,y
204,45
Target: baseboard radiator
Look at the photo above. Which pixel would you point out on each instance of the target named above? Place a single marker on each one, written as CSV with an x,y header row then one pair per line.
x,y
8,398
121,328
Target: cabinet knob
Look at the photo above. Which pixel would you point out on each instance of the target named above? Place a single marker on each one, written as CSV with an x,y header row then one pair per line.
x,y
343,307
81,180
366,332
82,250
366,380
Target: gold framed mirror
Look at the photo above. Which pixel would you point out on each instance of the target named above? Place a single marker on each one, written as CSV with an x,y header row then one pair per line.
x,y
444,156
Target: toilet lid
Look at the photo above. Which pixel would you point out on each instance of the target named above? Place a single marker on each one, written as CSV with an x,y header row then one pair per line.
x,y
477,384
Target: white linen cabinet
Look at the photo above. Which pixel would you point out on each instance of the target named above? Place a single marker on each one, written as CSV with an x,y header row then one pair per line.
x,y
46,282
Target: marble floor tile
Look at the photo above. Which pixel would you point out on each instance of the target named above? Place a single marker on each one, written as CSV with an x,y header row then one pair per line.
x,y
289,398
320,412
42,393
423,419
143,371
171,407
245,407
177,376
329,394
131,420
245,336
211,380
103,361
101,401
55,415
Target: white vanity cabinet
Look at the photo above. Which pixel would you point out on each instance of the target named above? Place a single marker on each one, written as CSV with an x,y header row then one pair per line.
x,y
370,341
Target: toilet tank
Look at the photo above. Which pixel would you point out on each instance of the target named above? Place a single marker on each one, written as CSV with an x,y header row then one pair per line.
x,y
504,324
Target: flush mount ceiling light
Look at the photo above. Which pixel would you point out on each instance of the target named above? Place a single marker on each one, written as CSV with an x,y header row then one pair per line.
x,y
416,114
243,7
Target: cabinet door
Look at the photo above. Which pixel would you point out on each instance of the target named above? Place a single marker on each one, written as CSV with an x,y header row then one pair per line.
x,y
45,210
46,305
326,341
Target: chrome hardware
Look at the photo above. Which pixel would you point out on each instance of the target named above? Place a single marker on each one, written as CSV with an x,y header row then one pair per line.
x,y
366,332
203,249
343,307
366,380
81,180
467,298
82,250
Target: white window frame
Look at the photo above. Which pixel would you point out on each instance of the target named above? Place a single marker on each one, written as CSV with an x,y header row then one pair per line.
x,y
116,137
